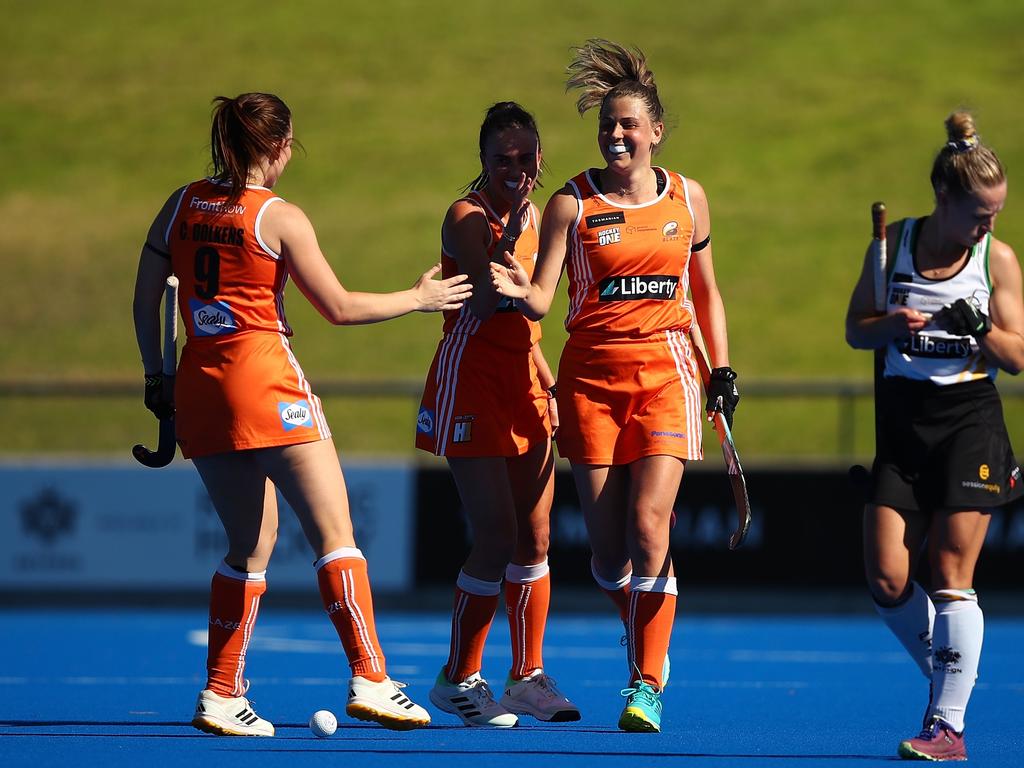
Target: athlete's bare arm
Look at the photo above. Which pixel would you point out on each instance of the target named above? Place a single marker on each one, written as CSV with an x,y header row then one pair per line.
x,y
286,230
707,301
150,281
866,328
1004,344
534,299
465,236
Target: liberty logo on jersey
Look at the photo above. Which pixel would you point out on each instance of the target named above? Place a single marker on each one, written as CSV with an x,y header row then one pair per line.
x,y
425,421
924,345
633,287
294,415
212,319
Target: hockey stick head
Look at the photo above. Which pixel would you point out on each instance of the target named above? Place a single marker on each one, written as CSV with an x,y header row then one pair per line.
x,y
736,479
164,453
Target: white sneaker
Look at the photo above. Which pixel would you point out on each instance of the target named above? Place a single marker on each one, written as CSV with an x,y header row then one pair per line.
x,y
384,703
226,716
538,695
472,701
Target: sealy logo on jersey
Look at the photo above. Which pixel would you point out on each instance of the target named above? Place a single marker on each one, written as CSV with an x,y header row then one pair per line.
x,y
923,345
294,415
633,287
212,319
425,421
609,236
604,219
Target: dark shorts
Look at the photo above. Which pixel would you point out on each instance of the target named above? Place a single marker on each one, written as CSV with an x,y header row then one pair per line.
x,y
943,447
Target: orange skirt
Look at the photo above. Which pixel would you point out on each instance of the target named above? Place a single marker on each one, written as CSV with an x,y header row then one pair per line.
x,y
481,400
244,391
624,399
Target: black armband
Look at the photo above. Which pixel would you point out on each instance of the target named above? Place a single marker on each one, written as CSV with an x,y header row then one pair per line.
x,y
701,245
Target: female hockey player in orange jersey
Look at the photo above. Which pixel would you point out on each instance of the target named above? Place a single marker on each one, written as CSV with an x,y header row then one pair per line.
x,y
486,410
246,414
634,240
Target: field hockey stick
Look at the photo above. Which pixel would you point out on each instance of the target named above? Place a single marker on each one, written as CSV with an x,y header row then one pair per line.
x,y
164,452
880,256
860,476
732,458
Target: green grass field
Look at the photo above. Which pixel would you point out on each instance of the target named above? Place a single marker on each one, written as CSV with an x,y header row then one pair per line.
x,y
794,115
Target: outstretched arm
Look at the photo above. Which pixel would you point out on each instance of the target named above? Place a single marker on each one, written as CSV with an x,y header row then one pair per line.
x,y
534,298
286,230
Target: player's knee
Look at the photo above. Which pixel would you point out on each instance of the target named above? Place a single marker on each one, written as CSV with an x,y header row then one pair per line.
x,y
889,591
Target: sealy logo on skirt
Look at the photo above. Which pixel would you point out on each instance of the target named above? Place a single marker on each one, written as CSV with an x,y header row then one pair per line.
x,y
294,415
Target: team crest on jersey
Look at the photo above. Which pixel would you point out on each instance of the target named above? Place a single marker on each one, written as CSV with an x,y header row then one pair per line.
x,y
670,231
295,415
462,432
425,421
213,319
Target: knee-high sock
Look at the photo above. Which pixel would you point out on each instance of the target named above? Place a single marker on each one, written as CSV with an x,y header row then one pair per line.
x,y
345,591
652,610
911,621
527,598
956,651
234,605
617,591
475,603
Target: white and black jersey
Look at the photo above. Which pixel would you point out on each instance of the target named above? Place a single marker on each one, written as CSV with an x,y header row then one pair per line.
x,y
932,354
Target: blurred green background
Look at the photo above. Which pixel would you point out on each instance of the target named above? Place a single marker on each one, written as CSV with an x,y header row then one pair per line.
x,y
794,115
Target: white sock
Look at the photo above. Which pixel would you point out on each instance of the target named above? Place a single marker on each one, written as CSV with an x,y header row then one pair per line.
x,y
912,621
956,650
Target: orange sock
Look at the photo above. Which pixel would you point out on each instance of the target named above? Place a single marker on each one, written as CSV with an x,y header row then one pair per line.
x,y
345,590
652,611
527,598
234,605
475,603
617,591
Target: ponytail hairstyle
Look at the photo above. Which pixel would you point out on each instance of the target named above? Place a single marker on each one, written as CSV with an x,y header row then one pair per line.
x,y
603,70
965,165
246,129
500,117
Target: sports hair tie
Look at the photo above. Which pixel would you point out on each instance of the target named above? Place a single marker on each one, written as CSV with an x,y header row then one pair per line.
x,y
963,145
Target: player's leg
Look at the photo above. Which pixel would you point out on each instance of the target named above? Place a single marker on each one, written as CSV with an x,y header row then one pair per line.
x,y
955,540
893,541
246,503
603,492
529,690
310,478
487,498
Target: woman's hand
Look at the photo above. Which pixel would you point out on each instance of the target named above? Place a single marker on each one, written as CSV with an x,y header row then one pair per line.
x,y
510,280
441,295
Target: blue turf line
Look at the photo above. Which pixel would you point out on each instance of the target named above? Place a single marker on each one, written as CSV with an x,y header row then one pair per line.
x,y
117,688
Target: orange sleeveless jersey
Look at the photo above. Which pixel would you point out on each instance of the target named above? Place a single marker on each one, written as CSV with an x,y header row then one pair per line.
x,y
627,379
482,395
239,385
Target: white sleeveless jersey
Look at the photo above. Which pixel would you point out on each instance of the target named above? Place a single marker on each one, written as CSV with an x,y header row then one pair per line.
x,y
932,354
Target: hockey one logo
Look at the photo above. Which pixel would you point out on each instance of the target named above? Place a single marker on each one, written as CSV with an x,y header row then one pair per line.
x,y
609,236
212,319
297,414
462,431
633,287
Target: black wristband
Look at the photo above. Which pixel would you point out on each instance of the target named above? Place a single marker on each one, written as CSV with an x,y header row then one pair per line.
x,y
552,392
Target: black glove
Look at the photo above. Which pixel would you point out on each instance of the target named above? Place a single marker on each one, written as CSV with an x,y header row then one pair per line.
x,y
161,403
963,318
722,393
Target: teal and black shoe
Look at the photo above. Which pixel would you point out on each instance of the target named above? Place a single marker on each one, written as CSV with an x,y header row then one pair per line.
x,y
643,709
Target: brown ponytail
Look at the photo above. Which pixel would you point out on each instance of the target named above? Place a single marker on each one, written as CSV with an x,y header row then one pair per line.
x,y
965,165
246,129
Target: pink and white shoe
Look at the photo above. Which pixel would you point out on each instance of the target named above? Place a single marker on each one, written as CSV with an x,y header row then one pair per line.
x,y
937,742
